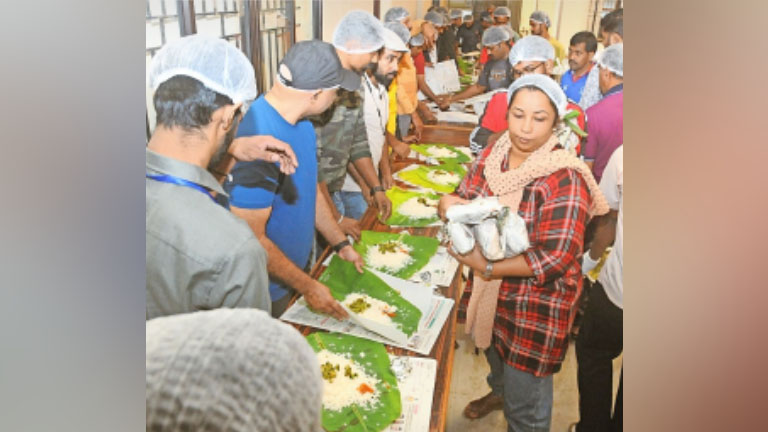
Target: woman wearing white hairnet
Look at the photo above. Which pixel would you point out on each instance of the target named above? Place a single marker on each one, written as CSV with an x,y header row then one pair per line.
x,y
521,309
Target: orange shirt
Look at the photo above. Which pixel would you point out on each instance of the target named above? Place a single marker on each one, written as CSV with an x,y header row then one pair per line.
x,y
407,86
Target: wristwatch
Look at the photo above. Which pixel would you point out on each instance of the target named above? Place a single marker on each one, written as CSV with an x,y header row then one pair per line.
x,y
488,270
377,189
340,245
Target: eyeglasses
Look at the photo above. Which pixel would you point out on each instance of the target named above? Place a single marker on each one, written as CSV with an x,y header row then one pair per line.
x,y
526,70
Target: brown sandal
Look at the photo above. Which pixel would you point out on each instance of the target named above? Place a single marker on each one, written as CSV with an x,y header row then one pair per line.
x,y
480,408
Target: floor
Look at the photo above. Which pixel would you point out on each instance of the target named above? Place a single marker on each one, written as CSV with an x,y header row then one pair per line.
x,y
468,383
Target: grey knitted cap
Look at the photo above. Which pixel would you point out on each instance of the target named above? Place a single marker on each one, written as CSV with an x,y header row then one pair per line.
x,y
235,370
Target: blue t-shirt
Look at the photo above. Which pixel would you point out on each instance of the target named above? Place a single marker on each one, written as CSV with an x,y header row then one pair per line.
x,y
259,184
573,89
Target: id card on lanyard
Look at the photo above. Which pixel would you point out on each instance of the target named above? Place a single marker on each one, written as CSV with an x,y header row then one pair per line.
x,y
167,178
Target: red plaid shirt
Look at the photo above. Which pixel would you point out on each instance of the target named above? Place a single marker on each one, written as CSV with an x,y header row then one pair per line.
x,y
534,314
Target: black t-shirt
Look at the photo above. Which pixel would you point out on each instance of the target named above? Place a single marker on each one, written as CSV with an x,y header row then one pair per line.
x,y
445,46
469,39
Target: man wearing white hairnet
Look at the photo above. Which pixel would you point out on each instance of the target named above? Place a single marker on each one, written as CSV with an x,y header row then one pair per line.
x,y
606,118
540,24
341,136
611,32
199,255
283,211
497,73
501,17
354,197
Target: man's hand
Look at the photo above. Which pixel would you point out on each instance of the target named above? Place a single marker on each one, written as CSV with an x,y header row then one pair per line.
x,y
400,148
348,253
387,181
350,227
320,299
383,204
429,117
446,201
267,148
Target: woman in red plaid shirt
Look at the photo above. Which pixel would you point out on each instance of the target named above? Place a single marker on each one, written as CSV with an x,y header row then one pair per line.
x,y
522,308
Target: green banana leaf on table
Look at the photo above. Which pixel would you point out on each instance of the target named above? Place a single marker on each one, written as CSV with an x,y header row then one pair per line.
x,y
373,358
398,196
418,176
423,149
342,278
422,250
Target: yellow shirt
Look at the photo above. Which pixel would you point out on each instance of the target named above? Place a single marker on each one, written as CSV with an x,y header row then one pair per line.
x,y
392,120
559,49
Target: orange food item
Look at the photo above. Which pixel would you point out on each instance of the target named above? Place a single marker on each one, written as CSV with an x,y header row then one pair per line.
x,y
364,388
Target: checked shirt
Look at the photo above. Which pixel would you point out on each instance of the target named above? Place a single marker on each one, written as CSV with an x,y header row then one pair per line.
x,y
534,314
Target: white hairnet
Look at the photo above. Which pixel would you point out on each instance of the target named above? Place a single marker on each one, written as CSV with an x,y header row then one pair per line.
x,y
400,30
541,17
396,13
544,83
393,42
613,59
502,11
435,18
216,63
495,35
456,13
531,48
358,32
417,40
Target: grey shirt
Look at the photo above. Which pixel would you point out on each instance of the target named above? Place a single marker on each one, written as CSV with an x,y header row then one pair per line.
x,y
495,75
199,255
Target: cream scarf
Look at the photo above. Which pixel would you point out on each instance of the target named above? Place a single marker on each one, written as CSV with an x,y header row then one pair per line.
x,y
508,186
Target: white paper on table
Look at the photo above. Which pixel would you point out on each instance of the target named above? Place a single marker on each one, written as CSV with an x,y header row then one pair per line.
x,y
417,389
457,117
479,102
420,342
443,77
439,270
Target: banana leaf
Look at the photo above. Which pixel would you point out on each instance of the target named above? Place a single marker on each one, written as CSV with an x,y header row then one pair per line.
x,y
422,250
419,177
423,149
342,278
398,196
373,358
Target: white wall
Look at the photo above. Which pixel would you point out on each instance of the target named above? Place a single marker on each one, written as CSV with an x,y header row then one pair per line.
x,y
568,17
334,11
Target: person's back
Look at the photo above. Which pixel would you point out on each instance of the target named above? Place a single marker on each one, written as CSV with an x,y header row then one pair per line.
x,y
260,184
198,255
192,246
605,131
606,118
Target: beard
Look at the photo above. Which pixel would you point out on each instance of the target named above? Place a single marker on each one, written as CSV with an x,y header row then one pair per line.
x,y
223,150
384,80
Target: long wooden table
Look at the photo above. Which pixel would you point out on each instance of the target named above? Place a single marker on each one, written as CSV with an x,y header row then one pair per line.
x,y
443,350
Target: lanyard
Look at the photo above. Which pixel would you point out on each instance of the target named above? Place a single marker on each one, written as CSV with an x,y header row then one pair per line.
x,y
166,178
378,110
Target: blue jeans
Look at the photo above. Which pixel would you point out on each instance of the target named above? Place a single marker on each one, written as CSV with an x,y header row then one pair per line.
x,y
350,204
527,398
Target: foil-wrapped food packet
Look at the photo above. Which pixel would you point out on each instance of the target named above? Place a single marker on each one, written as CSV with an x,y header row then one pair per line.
x,y
462,240
489,239
475,211
514,235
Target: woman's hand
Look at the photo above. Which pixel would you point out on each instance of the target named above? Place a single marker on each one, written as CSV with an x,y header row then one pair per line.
x,y
474,259
446,201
